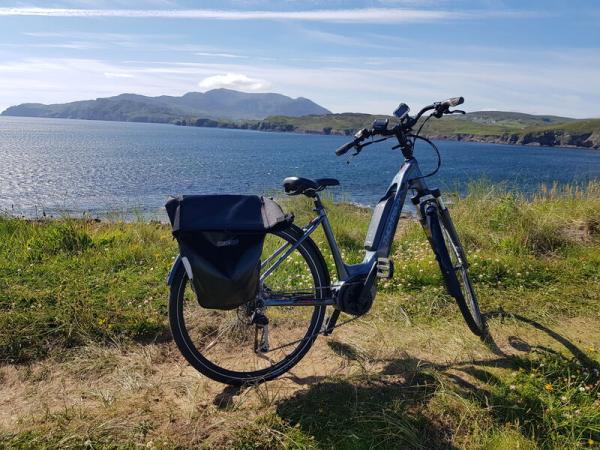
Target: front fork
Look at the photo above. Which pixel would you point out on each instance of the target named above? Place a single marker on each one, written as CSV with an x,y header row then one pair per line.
x,y
433,199
424,203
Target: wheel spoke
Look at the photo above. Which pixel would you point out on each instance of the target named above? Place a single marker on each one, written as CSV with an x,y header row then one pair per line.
x,y
227,338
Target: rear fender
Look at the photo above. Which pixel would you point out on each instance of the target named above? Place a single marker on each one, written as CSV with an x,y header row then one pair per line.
x,y
179,261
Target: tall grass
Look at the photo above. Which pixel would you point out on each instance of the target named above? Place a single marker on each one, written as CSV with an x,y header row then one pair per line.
x,y
66,282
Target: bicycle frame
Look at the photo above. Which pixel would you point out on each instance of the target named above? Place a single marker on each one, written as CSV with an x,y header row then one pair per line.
x,y
409,177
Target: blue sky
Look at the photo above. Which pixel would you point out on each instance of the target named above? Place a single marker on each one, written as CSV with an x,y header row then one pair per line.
x,y
530,56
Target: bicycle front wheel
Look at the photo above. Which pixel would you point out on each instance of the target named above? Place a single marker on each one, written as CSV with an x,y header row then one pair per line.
x,y
452,261
235,347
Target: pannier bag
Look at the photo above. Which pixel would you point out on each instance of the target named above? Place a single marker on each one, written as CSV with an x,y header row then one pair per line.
x,y
222,237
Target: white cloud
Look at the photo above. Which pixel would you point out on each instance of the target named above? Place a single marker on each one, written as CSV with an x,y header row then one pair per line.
x,y
233,81
219,55
118,75
528,84
362,15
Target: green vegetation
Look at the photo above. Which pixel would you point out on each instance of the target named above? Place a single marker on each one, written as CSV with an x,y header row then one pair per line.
x,y
483,126
86,359
65,282
345,123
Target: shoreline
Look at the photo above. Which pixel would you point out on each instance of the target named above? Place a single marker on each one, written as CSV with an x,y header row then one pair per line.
x,y
466,138
530,137
547,138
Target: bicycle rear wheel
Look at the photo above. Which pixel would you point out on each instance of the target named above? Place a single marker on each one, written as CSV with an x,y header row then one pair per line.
x,y
452,261
229,346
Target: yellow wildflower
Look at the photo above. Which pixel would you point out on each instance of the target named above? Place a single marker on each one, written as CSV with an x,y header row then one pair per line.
x,y
549,387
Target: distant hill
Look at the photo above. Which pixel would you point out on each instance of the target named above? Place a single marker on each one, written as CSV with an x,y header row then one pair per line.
x,y
225,108
478,122
214,104
481,126
512,119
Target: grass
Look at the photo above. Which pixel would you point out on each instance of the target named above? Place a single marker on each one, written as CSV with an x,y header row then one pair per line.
x,y
66,282
482,123
87,362
578,126
348,123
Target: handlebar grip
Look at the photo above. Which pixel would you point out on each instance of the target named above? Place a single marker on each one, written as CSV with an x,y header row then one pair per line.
x,y
344,148
455,101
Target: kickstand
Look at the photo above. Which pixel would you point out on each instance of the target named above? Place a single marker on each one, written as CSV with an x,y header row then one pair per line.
x,y
261,324
330,322
261,345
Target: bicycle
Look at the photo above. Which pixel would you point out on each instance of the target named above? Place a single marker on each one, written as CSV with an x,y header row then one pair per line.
x,y
267,336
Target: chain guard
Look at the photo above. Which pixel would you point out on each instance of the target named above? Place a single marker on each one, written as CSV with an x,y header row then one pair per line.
x,y
357,294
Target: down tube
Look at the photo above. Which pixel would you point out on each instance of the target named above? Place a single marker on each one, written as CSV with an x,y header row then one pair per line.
x,y
408,172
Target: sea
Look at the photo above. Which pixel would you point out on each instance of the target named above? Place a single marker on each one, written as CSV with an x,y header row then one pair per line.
x,y
55,167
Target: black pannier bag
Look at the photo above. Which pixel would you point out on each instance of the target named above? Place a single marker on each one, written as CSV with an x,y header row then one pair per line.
x,y
222,237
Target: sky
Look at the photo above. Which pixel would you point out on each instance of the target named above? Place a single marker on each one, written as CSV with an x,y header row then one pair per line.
x,y
540,57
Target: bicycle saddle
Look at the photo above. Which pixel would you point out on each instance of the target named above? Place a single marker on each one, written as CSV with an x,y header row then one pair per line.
x,y
298,185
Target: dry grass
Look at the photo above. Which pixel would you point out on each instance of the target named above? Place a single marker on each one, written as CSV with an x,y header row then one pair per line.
x,y
146,395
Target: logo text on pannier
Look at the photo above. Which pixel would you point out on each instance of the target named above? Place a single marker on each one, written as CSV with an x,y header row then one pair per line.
x,y
228,242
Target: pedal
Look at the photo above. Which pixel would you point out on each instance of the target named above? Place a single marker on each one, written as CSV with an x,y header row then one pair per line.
x,y
385,268
330,322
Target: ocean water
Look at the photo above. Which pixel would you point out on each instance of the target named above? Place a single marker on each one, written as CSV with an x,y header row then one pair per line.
x,y
60,166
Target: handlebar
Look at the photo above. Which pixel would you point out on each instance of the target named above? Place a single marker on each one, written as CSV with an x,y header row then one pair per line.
x,y
403,127
441,108
454,101
347,146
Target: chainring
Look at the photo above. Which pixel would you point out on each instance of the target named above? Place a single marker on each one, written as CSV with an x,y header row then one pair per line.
x,y
357,294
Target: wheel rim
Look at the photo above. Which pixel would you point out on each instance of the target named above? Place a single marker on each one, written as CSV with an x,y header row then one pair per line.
x,y
224,341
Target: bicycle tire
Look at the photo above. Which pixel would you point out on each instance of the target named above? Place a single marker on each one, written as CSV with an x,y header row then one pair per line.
x,y
445,244
314,259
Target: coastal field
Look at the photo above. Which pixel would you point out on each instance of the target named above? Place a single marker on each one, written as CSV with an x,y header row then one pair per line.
x,y
482,126
86,358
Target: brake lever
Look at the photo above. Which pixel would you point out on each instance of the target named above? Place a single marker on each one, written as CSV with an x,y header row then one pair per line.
x,y
358,149
456,111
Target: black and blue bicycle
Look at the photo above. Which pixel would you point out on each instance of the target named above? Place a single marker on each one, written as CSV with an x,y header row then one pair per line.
x,y
249,290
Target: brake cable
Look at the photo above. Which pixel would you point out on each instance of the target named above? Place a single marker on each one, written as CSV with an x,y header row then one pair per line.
x,y
437,151
421,127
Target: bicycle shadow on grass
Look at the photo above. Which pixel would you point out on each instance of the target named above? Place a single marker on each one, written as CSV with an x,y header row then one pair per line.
x,y
411,402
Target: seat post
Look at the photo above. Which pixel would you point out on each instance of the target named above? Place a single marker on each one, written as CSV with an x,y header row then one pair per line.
x,y
318,204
